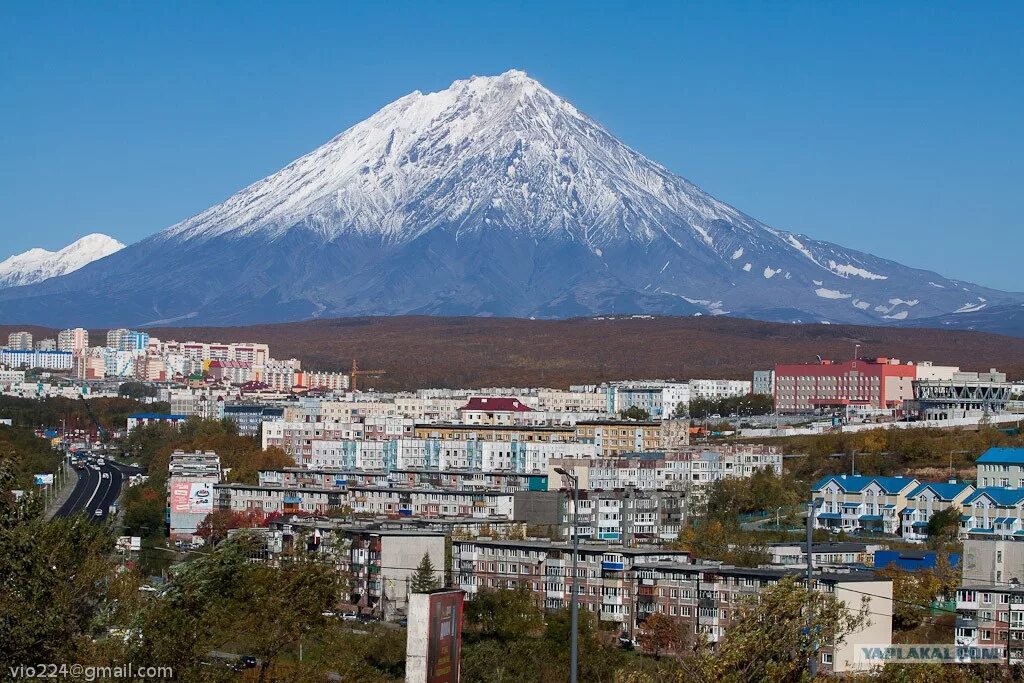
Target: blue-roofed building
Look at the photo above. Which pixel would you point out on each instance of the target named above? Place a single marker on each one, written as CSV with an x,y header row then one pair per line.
x,y
851,502
994,511
927,499
912,560
140,419
1001,467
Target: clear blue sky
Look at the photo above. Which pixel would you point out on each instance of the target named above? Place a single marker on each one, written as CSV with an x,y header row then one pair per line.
x,y
894,129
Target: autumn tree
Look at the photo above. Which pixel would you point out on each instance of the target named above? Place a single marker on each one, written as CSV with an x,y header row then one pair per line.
x,y
504,614
659,633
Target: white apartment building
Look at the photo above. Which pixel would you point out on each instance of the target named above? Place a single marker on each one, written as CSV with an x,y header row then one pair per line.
x,y
717,389
74,340
438,454
19,341
48,360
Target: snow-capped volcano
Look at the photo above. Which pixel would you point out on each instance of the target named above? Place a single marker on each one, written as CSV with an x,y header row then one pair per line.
x,y
492,197
36,265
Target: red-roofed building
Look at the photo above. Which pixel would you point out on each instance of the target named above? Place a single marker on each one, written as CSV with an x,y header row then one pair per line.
x,y
493,410
233,371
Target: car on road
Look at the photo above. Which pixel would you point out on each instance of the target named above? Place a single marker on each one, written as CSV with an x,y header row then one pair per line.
x,y
349,616
245,662
101,462
105,475
99,512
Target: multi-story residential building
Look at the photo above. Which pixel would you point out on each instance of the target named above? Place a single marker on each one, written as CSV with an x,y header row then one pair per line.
x,y
268,498
927,499
996,560
764,382
308,442
249,418
623,516
190,490
47,344
11,377
994,511
607,586
560,401
256,354
460,432
422,502
74,340
613,437
1001,467
990,616
717,389
660,399
47,360
380,562
706,600
19,341
231,371
880,383
429,409
850,502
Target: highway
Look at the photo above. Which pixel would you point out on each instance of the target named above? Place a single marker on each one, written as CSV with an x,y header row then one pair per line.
x,y
96,489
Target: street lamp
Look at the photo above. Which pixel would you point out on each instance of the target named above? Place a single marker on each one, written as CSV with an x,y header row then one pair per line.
x,y
574,627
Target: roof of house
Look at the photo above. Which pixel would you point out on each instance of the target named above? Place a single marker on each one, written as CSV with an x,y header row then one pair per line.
x,y
1001,496
157,416
504,404
1003,456
944,490
852,483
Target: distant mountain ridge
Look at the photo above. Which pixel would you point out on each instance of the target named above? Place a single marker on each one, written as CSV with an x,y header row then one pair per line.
x,y
494,197
36,265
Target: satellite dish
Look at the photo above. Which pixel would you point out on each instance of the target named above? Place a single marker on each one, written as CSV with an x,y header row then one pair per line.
x,y
819,358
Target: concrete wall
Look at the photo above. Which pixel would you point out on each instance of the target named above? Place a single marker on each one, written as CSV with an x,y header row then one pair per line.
x,y
400,555
878,628
992,561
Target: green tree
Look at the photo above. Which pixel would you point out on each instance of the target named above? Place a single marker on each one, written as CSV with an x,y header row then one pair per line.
x,y
424,580
943,526
504,614
635,413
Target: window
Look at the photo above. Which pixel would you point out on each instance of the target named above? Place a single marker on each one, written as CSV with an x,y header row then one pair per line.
x,y
826,658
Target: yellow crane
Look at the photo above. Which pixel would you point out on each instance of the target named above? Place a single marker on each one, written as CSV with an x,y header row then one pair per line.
x,y
356,372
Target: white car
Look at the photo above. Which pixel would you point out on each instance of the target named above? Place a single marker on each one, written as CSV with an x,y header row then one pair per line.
x,y
99,512
105,475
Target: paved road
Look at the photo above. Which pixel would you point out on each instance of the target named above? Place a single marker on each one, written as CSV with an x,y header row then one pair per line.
x,y
96,490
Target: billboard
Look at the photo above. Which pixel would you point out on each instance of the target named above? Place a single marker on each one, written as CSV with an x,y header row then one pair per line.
x,y
129,543
191,497
44,479
434,637
444,637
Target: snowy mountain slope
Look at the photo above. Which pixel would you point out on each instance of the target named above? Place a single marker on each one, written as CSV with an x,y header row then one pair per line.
x,y
36,265
492,197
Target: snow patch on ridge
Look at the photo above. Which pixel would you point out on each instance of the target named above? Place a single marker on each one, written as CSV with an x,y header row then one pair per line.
x,y
825,293
848,269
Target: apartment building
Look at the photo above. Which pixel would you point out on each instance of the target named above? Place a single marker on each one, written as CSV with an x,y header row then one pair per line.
x,y
706,600
764,382
994,511
624,516
717,389
19,341
495,410
507,433
278,499
141,419
850,502
74,340
991,616
613,437
1001,467
422,502
927,499
658,398
604,572
190,491
47,360
380,562
823,554
249,418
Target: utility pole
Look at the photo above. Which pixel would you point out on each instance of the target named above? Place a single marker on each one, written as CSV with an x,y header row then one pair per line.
x,y
812,657
574,608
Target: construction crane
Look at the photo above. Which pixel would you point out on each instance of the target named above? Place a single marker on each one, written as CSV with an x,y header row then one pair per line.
x,y
353,384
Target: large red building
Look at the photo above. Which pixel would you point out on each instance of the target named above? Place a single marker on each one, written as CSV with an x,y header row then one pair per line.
x,y
864,382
